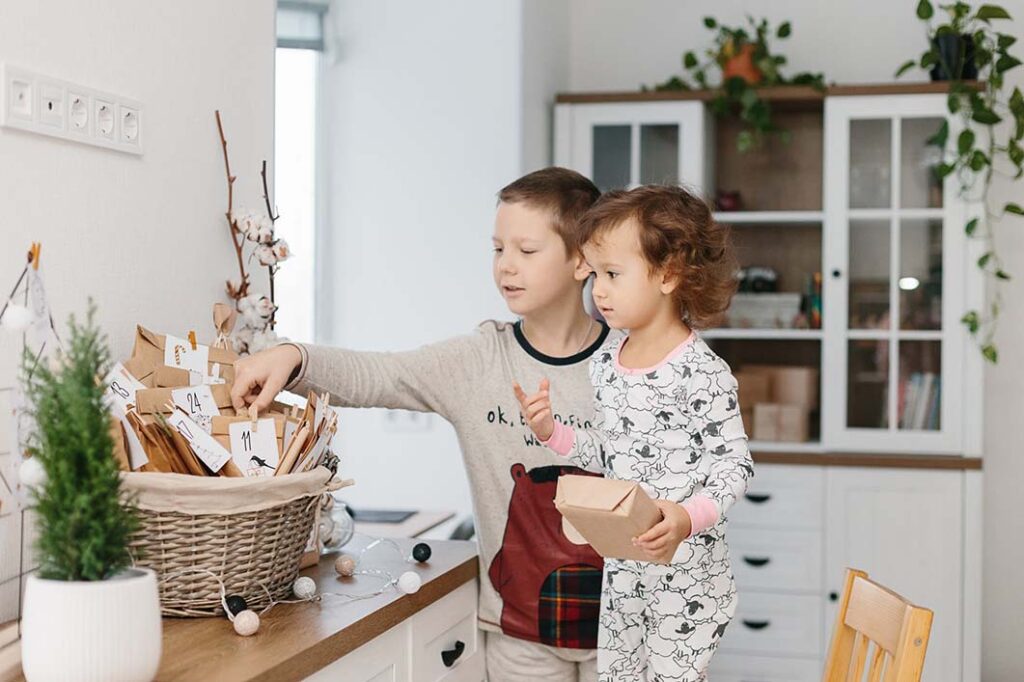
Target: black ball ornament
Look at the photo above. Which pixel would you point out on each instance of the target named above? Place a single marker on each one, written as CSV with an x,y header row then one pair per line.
x,y
236,604
421,552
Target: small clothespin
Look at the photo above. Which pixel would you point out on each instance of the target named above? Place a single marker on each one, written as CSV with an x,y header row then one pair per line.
x,y
192,339
33,254
253,416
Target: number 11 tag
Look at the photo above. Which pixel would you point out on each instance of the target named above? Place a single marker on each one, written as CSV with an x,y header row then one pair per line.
x,y
255,452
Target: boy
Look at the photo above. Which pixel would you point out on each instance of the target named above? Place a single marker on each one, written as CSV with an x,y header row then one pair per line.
x,y
540,591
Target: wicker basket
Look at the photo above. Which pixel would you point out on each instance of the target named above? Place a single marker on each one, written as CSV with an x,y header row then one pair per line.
x,y
250,533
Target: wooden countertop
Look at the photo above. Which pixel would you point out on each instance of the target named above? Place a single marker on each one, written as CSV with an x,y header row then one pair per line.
x,y
871,460
296,640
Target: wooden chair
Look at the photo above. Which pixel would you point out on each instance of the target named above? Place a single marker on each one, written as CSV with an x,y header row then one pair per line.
x,y
871,616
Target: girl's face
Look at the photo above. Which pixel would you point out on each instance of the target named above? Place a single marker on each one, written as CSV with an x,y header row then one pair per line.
x,y
626,290
531,266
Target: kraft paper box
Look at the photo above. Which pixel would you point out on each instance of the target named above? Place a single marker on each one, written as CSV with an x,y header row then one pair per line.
x,y
788,385
776,422
754,388
148,355
608,513
153,400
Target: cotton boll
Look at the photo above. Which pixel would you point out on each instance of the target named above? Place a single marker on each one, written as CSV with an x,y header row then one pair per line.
x,y
281,250
16,318
265,255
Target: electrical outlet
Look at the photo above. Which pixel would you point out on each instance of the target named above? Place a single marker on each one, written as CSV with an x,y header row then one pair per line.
x,y
104,116
78,113
130,125
19,97
39,104
51,105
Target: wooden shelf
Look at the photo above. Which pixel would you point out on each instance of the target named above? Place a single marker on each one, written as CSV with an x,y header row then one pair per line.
x,y
793,455
782,93
769,217
765,334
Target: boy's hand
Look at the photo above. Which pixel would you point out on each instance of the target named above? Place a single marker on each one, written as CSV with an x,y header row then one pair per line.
x,y
260,377
661,541
537,408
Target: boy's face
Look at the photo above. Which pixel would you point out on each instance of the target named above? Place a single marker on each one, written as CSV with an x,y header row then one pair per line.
x,y
531,266
626,291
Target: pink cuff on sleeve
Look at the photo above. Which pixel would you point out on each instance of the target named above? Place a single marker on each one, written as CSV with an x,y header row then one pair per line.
x,y
562,439
703,513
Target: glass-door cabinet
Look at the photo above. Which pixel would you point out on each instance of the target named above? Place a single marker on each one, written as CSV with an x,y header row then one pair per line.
x,y
621,145
894,279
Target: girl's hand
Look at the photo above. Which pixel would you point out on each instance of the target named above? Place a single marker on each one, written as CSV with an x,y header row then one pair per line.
x,y
661,541
537,408
260,377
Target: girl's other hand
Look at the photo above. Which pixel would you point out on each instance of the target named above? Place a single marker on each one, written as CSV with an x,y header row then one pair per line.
x,y
661,541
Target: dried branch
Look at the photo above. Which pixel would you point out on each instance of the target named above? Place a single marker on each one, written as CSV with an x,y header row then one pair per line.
x,y
237,238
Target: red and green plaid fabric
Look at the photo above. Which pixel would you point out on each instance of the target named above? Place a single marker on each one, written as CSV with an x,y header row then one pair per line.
x,y
570,603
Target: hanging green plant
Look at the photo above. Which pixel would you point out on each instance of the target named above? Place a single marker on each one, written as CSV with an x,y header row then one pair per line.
x,y
746,62
964,48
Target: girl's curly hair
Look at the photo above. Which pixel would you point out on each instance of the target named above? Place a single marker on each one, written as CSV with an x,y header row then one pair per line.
x,y
678,236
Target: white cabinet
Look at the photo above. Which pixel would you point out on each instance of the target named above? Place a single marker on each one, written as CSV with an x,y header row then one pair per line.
x,y
624,145
905,528
441,643
799,528
895,284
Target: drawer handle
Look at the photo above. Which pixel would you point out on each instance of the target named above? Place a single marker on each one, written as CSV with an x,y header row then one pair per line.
x,y
756,561
757,624
758,498
449,656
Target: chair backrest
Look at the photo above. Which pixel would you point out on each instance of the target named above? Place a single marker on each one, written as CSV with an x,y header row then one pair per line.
x,y
877,632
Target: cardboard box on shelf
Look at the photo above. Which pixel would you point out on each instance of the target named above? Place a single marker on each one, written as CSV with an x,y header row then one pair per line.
x,y
754,388
788,385
775,422
608,513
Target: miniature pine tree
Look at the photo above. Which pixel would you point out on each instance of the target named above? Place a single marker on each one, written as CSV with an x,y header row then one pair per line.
x,y
84,521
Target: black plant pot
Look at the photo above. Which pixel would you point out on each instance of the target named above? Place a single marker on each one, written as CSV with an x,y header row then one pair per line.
x,y
949,47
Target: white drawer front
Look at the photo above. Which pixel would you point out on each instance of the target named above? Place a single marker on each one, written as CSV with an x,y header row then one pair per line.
x,y
727,667
776,559
782,496
384,658
448,630
776,624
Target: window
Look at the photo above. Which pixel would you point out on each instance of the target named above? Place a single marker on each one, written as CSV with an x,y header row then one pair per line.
x,y
297,74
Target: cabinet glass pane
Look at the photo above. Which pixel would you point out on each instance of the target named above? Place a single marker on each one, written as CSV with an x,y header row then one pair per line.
x,y
870,163
659,154
920,186
867,385
920,280
612,149
869,274
920,385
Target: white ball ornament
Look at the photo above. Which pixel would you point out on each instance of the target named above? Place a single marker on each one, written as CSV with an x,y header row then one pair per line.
x,y
31,473
409,582
304,588
247,623
16,318
345,565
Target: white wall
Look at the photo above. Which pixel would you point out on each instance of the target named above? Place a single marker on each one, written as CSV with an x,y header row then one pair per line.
x,y
422,122
617,46
144,236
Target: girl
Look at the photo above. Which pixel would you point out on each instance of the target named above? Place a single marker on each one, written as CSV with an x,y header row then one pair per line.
x,y
668,418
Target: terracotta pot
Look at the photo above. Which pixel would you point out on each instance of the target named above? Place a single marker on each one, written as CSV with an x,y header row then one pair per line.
x,y
742,65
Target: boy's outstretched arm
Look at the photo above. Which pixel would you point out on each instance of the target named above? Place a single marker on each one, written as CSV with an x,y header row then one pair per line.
x,y
424,380
584,447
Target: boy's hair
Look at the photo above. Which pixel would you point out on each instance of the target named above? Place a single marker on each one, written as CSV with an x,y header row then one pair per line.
x,y
679,236
565,193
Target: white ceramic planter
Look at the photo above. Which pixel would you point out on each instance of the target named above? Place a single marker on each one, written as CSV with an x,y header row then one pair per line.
x,y
102,631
